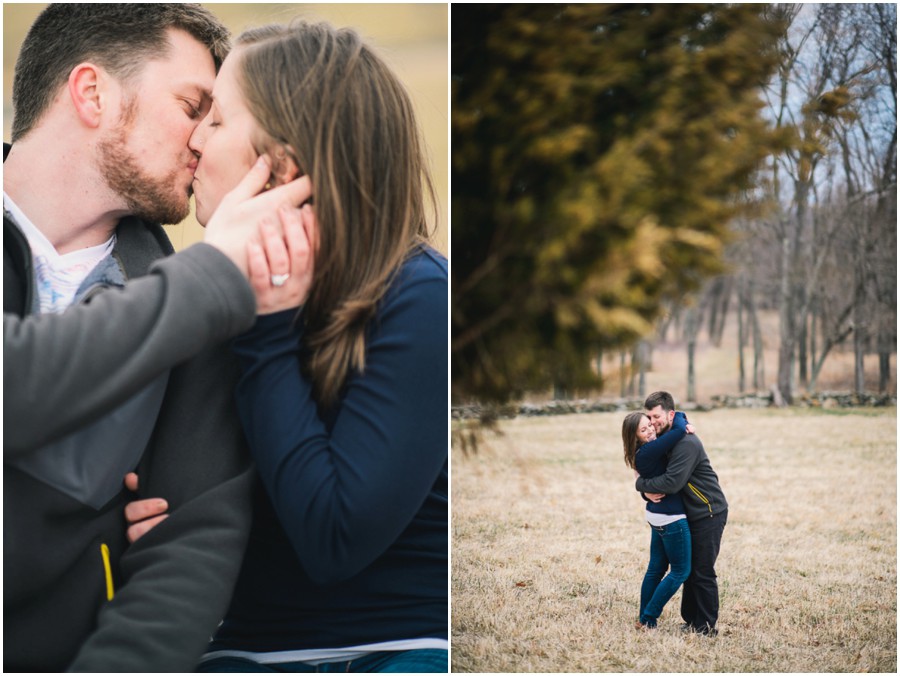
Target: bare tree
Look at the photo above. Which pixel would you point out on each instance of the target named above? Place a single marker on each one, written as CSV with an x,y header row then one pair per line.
x,y
693,319
867,140
834,69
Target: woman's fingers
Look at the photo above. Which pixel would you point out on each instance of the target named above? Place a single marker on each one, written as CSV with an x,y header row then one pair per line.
x,y
258,268
237,218
293,194
139,510
311,225
142,514
253,182
280,266
299,244
301,234
138,530
131,481
276,250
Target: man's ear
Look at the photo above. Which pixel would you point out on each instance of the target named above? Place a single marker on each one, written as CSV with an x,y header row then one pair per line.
x,y
671,416
284,166
87,92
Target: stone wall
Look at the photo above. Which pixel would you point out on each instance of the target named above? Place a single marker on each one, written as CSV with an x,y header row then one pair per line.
x,y
825,400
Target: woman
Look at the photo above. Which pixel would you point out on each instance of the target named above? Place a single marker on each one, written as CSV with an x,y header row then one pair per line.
x,y
670,536
344,390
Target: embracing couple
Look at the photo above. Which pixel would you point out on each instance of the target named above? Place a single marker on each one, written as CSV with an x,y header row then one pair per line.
x,y
247,439
686,510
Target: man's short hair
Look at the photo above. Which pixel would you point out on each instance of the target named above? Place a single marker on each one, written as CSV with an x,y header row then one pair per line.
x,y
119,37
663,399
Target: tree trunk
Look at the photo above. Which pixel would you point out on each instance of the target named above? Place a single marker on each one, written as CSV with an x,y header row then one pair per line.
x,y
599,358
859,319
559,392
759,375
742,338
664,323
642,350
887,342
859,350
813,334
859,373
713,300
632,376
786,323
691,382
802,353
830,342
837,335
884,371
719,326
692,322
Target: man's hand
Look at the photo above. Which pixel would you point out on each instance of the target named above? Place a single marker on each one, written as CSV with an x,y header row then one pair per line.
x,y
236,221
142,514
689,428
652,497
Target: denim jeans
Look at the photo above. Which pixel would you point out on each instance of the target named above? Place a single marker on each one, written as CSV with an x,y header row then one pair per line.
x,y
427,660
670,549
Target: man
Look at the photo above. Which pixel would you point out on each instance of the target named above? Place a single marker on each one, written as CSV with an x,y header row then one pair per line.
x,y
690,473
112,362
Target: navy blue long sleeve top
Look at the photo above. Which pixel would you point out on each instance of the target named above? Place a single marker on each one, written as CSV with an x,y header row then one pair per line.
x,y
652,459
349,538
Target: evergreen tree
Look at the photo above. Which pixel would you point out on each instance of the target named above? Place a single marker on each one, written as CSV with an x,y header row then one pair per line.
x,y
598,152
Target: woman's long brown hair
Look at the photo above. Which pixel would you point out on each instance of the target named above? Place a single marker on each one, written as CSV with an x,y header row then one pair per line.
x,y
629,435
349,125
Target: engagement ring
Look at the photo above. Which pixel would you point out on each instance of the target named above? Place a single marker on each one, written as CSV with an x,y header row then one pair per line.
x,y
279,280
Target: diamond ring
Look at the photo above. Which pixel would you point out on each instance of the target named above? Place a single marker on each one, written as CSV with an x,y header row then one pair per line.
x,y
279,280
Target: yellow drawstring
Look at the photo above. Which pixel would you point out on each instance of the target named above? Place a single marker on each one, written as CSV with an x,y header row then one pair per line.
x,y
104,552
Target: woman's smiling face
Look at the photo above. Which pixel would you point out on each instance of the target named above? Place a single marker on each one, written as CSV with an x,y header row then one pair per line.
x,y
645,431
223,141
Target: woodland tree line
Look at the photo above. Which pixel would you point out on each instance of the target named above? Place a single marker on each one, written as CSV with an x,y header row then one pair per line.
x,y
620,167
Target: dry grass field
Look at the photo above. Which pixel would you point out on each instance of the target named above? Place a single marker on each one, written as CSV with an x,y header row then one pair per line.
x,y
549,547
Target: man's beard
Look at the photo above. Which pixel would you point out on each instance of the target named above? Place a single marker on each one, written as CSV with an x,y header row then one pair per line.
x,y
149,198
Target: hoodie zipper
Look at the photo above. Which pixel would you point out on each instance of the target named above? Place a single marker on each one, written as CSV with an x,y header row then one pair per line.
x,y
701,496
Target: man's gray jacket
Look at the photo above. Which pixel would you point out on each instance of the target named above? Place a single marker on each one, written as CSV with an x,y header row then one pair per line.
x,y
77,596
690,473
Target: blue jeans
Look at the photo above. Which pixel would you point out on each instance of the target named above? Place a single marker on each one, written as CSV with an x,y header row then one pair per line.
x,y
670,548
428,660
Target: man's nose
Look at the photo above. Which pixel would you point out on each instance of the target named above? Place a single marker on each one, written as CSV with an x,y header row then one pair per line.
x,y
195,142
